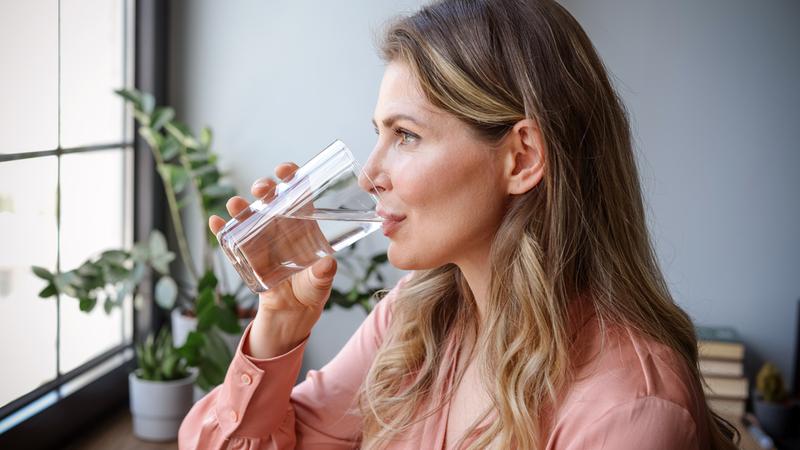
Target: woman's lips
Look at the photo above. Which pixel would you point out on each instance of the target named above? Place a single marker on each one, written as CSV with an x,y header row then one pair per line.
x,y
390,225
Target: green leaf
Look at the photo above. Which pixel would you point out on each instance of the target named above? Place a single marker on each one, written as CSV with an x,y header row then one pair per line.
x,y
219,191
87,304
181,133
175,175
190,349
160,256
115,256
140,251
141,117
205,137
204,170
170,148
153,138
227,321
380,258
166,292
48,291
208,281
148,103
131,95
207,317
109,305
42,273
88,269
161,116
63,283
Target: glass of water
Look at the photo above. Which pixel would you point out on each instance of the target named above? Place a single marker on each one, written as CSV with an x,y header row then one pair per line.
x,y
318,211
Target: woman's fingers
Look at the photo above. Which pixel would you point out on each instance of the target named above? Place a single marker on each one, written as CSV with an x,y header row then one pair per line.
x,y
265,187
216,223
236,205
285,170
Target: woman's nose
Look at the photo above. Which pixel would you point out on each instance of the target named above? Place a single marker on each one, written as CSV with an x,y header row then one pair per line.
x,y
372,177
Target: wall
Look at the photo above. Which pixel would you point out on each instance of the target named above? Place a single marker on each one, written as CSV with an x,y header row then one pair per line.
x,y
712,87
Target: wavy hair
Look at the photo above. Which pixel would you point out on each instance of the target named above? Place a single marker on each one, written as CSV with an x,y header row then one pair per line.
x,y
581,231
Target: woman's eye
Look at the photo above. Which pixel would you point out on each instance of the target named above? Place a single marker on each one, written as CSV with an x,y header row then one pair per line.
x,y
406,137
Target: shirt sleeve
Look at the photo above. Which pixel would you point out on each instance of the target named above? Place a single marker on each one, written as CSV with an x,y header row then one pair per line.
x,y
257,406
647,422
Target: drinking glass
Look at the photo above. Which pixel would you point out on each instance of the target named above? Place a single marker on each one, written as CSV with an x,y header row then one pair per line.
x,y
318,211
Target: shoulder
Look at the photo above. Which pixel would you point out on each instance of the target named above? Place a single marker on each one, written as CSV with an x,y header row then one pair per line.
x,y
631,384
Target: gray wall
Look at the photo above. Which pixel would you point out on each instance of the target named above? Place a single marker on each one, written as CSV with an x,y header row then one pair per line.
x,y
712,88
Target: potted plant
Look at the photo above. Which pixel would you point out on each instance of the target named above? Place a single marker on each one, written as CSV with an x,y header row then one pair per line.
x,y
160,389
189,172
771,401
207,317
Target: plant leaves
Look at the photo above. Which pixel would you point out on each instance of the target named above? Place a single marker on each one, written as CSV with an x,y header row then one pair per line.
x,y
161,116
219,190
170,148
87,304
153,138
48,291
109,305
208,281
205,137
131,95
148,102
175,175
166,292
42,273
227,321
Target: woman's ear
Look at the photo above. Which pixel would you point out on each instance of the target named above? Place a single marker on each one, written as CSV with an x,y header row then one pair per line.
x,y
524,156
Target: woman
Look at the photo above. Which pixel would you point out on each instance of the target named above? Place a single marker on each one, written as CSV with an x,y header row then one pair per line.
x,y
536,315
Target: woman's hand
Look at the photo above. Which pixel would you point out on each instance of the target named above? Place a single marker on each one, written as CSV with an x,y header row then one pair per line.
x,y
289,310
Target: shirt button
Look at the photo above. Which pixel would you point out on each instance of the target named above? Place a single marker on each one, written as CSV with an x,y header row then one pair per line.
x,y
246,379
234,417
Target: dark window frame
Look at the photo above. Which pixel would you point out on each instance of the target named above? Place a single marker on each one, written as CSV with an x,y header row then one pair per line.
x,y
71,414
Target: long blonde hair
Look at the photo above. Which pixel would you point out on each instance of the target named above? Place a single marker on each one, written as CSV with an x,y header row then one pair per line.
x,y
582,230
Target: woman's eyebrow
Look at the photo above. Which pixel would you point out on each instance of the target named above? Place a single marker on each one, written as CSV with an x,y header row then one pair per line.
x,y
387,122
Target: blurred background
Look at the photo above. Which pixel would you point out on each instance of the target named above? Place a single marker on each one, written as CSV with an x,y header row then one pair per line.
x,y
711,87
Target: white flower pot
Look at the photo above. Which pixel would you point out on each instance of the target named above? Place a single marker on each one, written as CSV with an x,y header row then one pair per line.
x,y
158,407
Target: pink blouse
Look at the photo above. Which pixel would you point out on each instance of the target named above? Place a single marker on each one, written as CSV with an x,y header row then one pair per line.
x,y
635,394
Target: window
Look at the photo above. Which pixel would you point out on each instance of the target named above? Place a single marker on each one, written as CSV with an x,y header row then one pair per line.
x,y
66,185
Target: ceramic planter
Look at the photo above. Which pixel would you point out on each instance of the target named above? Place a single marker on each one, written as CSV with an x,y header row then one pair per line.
x,y
158,407
773,416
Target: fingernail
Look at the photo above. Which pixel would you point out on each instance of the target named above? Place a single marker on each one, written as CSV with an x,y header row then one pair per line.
x,y
261,183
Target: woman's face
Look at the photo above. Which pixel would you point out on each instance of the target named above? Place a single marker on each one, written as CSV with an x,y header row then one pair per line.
x,y
443,184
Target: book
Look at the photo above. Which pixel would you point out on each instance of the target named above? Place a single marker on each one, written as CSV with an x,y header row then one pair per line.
x,y
719,343
730,388
721,367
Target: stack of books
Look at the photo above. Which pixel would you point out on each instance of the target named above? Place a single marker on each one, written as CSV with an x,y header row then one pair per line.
x,y
722,366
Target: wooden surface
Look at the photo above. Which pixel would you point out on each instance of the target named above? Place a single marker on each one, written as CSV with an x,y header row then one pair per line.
x,y
116,433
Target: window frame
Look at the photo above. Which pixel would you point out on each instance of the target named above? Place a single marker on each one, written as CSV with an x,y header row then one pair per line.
x,y
48,417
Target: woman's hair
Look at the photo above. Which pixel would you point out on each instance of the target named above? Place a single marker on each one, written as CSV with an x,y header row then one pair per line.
x,y
580,232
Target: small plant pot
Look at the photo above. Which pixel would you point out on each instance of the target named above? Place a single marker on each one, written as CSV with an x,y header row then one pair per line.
x,y
773,416
158,407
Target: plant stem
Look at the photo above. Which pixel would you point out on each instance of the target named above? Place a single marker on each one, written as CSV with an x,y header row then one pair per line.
x,y
208,263
172,202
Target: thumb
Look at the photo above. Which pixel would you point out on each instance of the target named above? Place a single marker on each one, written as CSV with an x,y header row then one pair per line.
x,y
323,271
318,282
